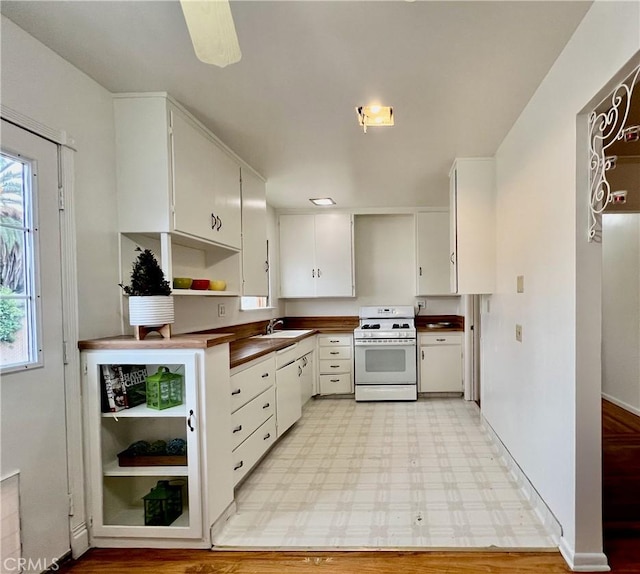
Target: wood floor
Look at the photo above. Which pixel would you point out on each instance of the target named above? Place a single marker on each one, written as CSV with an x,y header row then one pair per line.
x,y
621,497
621,487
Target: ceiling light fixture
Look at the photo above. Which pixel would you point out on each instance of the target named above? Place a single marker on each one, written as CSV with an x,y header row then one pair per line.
x,y
374,116
212,31
322,201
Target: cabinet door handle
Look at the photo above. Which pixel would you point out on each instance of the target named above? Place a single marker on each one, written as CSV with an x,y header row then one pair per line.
x,y
313,273
266,405
335,366
266,266
267,436
305,362
334,352
441,340
420,268
219,226
239,465
422,355
237,429
451,259
236,392
214,221
191,418
319,273
334,340
334,380
299,371
265,375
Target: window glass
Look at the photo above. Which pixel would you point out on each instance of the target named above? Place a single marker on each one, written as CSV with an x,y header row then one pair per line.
x,y
18,333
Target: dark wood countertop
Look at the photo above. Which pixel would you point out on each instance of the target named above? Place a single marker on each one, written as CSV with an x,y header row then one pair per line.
x,y
242,351
154,341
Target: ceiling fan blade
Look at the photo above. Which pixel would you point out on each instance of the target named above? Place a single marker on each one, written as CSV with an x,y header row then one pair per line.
x,y
212,31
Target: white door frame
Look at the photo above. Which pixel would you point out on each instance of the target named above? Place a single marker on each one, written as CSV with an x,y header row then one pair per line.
x,y
78,529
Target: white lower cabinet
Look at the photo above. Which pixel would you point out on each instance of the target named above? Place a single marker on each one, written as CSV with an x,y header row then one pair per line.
x,y
201,484
307,378
335,362
288,395
251,450
253,408
441,363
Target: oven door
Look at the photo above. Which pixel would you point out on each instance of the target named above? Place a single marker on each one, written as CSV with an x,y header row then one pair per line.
x,y
385,363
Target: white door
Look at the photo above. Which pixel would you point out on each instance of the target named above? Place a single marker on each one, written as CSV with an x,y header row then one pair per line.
x,y
255,266
32,391
297,256
334,261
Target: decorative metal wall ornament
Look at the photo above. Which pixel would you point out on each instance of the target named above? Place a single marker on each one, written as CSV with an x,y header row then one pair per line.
x,y
605,128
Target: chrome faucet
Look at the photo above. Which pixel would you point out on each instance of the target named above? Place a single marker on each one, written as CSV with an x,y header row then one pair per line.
x,y
272,325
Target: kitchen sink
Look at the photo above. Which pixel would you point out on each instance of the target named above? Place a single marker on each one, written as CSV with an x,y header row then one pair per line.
x,y
286,334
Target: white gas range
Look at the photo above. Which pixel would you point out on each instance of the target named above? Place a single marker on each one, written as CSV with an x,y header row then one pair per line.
x,y
385,354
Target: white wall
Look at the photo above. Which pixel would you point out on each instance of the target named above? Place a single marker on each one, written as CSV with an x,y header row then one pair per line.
x,y
621,309
538,395
41,85
385,271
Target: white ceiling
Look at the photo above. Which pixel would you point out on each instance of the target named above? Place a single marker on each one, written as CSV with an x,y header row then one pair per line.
x,y
457,73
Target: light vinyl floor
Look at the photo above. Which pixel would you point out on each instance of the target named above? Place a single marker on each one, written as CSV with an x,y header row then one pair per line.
x,y
383,475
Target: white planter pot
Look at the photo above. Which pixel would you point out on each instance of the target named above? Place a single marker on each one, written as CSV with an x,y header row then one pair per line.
x,y
152,311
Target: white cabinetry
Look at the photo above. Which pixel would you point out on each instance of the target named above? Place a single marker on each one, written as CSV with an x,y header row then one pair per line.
x,y
116,492
335,360
255,265
178,191
288,395
316,255
308,377
472,232
432,241
253,407
441,362
173,176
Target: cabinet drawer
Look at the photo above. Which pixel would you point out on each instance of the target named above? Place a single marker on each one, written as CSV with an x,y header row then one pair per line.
x,y
334,340
250,451
335,366
248,418
441,339
249,383
335,384
334,352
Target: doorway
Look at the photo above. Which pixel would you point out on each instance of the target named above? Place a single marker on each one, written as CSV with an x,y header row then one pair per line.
x,y
32,388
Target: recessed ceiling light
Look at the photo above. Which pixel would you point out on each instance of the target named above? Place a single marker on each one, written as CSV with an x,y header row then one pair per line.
x,y
322,201
374,115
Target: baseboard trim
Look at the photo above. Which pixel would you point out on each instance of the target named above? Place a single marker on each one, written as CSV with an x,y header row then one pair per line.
x,y
544,513
218,525
621,404
79,540
583,561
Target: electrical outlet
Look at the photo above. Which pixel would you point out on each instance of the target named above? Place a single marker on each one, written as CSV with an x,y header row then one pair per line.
x,y
520,284
519,333
221,310
422,304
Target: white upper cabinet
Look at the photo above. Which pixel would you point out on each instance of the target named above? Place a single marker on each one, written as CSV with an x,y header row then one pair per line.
x,y
316,255
472,232
172,174
432,240
255,266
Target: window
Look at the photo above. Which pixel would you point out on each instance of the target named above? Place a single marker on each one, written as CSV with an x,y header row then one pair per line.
x,y
18,296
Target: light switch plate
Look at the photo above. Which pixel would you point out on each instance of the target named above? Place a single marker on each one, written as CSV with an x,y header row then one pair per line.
x,y
520,283
519,333
221,310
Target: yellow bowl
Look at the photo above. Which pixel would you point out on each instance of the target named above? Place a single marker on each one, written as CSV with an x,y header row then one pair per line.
x,y
217,285
182,282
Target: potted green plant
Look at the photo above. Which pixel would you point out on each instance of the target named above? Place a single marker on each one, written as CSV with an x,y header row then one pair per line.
x,y
150,300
